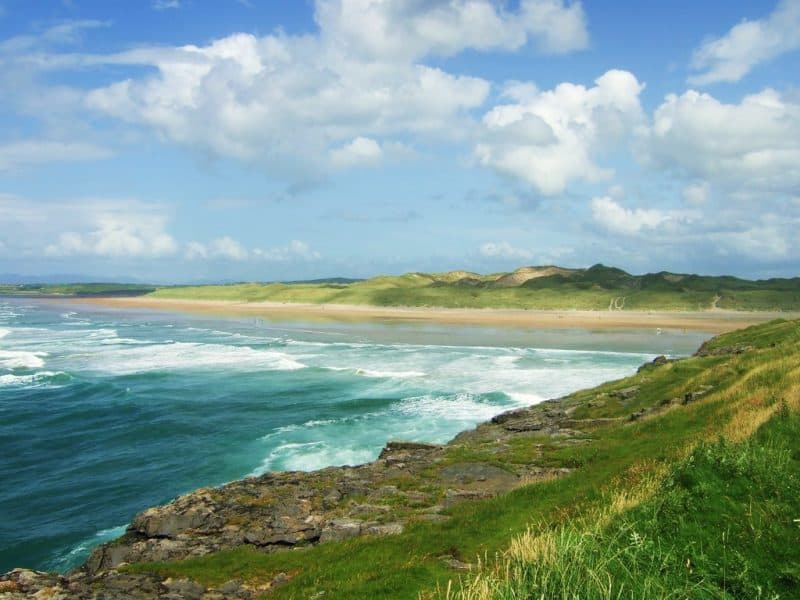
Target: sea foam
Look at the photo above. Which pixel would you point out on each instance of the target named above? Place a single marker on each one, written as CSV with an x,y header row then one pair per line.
x,y
190,355
21,359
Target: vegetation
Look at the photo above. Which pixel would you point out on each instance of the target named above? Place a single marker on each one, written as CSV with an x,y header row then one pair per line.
x,y
596,288
549,288
691,488
76,289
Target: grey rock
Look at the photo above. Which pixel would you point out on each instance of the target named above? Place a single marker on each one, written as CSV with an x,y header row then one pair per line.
x,y
183,588
382,529
340,529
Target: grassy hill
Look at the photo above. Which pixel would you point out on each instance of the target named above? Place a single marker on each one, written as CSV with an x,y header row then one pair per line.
x,y
684,482
596,288
547,287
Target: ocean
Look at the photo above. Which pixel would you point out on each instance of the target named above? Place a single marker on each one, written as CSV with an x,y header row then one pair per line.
x,y
106,412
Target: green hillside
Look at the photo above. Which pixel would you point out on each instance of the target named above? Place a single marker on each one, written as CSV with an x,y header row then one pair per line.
x,y
596,288
547,288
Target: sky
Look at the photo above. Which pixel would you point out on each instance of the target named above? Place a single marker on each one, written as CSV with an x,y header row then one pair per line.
x,y
231,140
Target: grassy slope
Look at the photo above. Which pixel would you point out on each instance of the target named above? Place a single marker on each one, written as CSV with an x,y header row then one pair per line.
x,y
656,507
592,289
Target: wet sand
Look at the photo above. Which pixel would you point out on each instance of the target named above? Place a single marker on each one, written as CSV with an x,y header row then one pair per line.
x,y
711,321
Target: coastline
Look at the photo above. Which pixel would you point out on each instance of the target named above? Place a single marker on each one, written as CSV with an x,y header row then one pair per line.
x,y
292,510
711,321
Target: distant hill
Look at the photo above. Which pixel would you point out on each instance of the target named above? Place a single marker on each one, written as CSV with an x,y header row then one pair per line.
x,y
532,287
76,289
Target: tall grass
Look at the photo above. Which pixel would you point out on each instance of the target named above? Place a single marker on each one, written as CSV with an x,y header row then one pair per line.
x,y
716,525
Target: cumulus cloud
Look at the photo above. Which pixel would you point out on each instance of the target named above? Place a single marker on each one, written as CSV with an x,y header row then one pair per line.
x,y
283,102
549,138
614,217
118,236
402,30
504,250
752,145
102,227
26,153
747,44
335,98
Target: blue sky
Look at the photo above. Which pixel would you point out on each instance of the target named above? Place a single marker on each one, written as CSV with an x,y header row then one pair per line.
x,y
192,140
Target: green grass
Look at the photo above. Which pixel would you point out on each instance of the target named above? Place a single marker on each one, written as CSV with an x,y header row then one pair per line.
x,y
723,524
727,507
595,288
553,288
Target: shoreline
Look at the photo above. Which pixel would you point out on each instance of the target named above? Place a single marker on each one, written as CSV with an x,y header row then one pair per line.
x,y
198,523
710,321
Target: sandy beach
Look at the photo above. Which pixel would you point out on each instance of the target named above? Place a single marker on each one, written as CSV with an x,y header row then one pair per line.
x,y
712,321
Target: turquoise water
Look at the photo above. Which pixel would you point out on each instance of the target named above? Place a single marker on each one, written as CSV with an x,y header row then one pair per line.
x,y
104,413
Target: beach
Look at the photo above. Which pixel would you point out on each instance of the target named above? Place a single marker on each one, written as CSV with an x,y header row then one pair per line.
x,y
711,321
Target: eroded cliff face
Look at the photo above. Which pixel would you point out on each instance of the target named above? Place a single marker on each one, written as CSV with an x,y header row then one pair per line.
x,y
409,481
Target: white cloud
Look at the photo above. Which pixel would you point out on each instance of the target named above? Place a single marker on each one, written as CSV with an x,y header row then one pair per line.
x,y
26,153
283,102
295,250
398,29
504,250
307,103
747,44
616,218
361,151
118,236
753,145
227,247
550,138
101,227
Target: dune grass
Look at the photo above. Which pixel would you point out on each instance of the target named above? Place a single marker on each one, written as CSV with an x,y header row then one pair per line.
x,y
697,500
